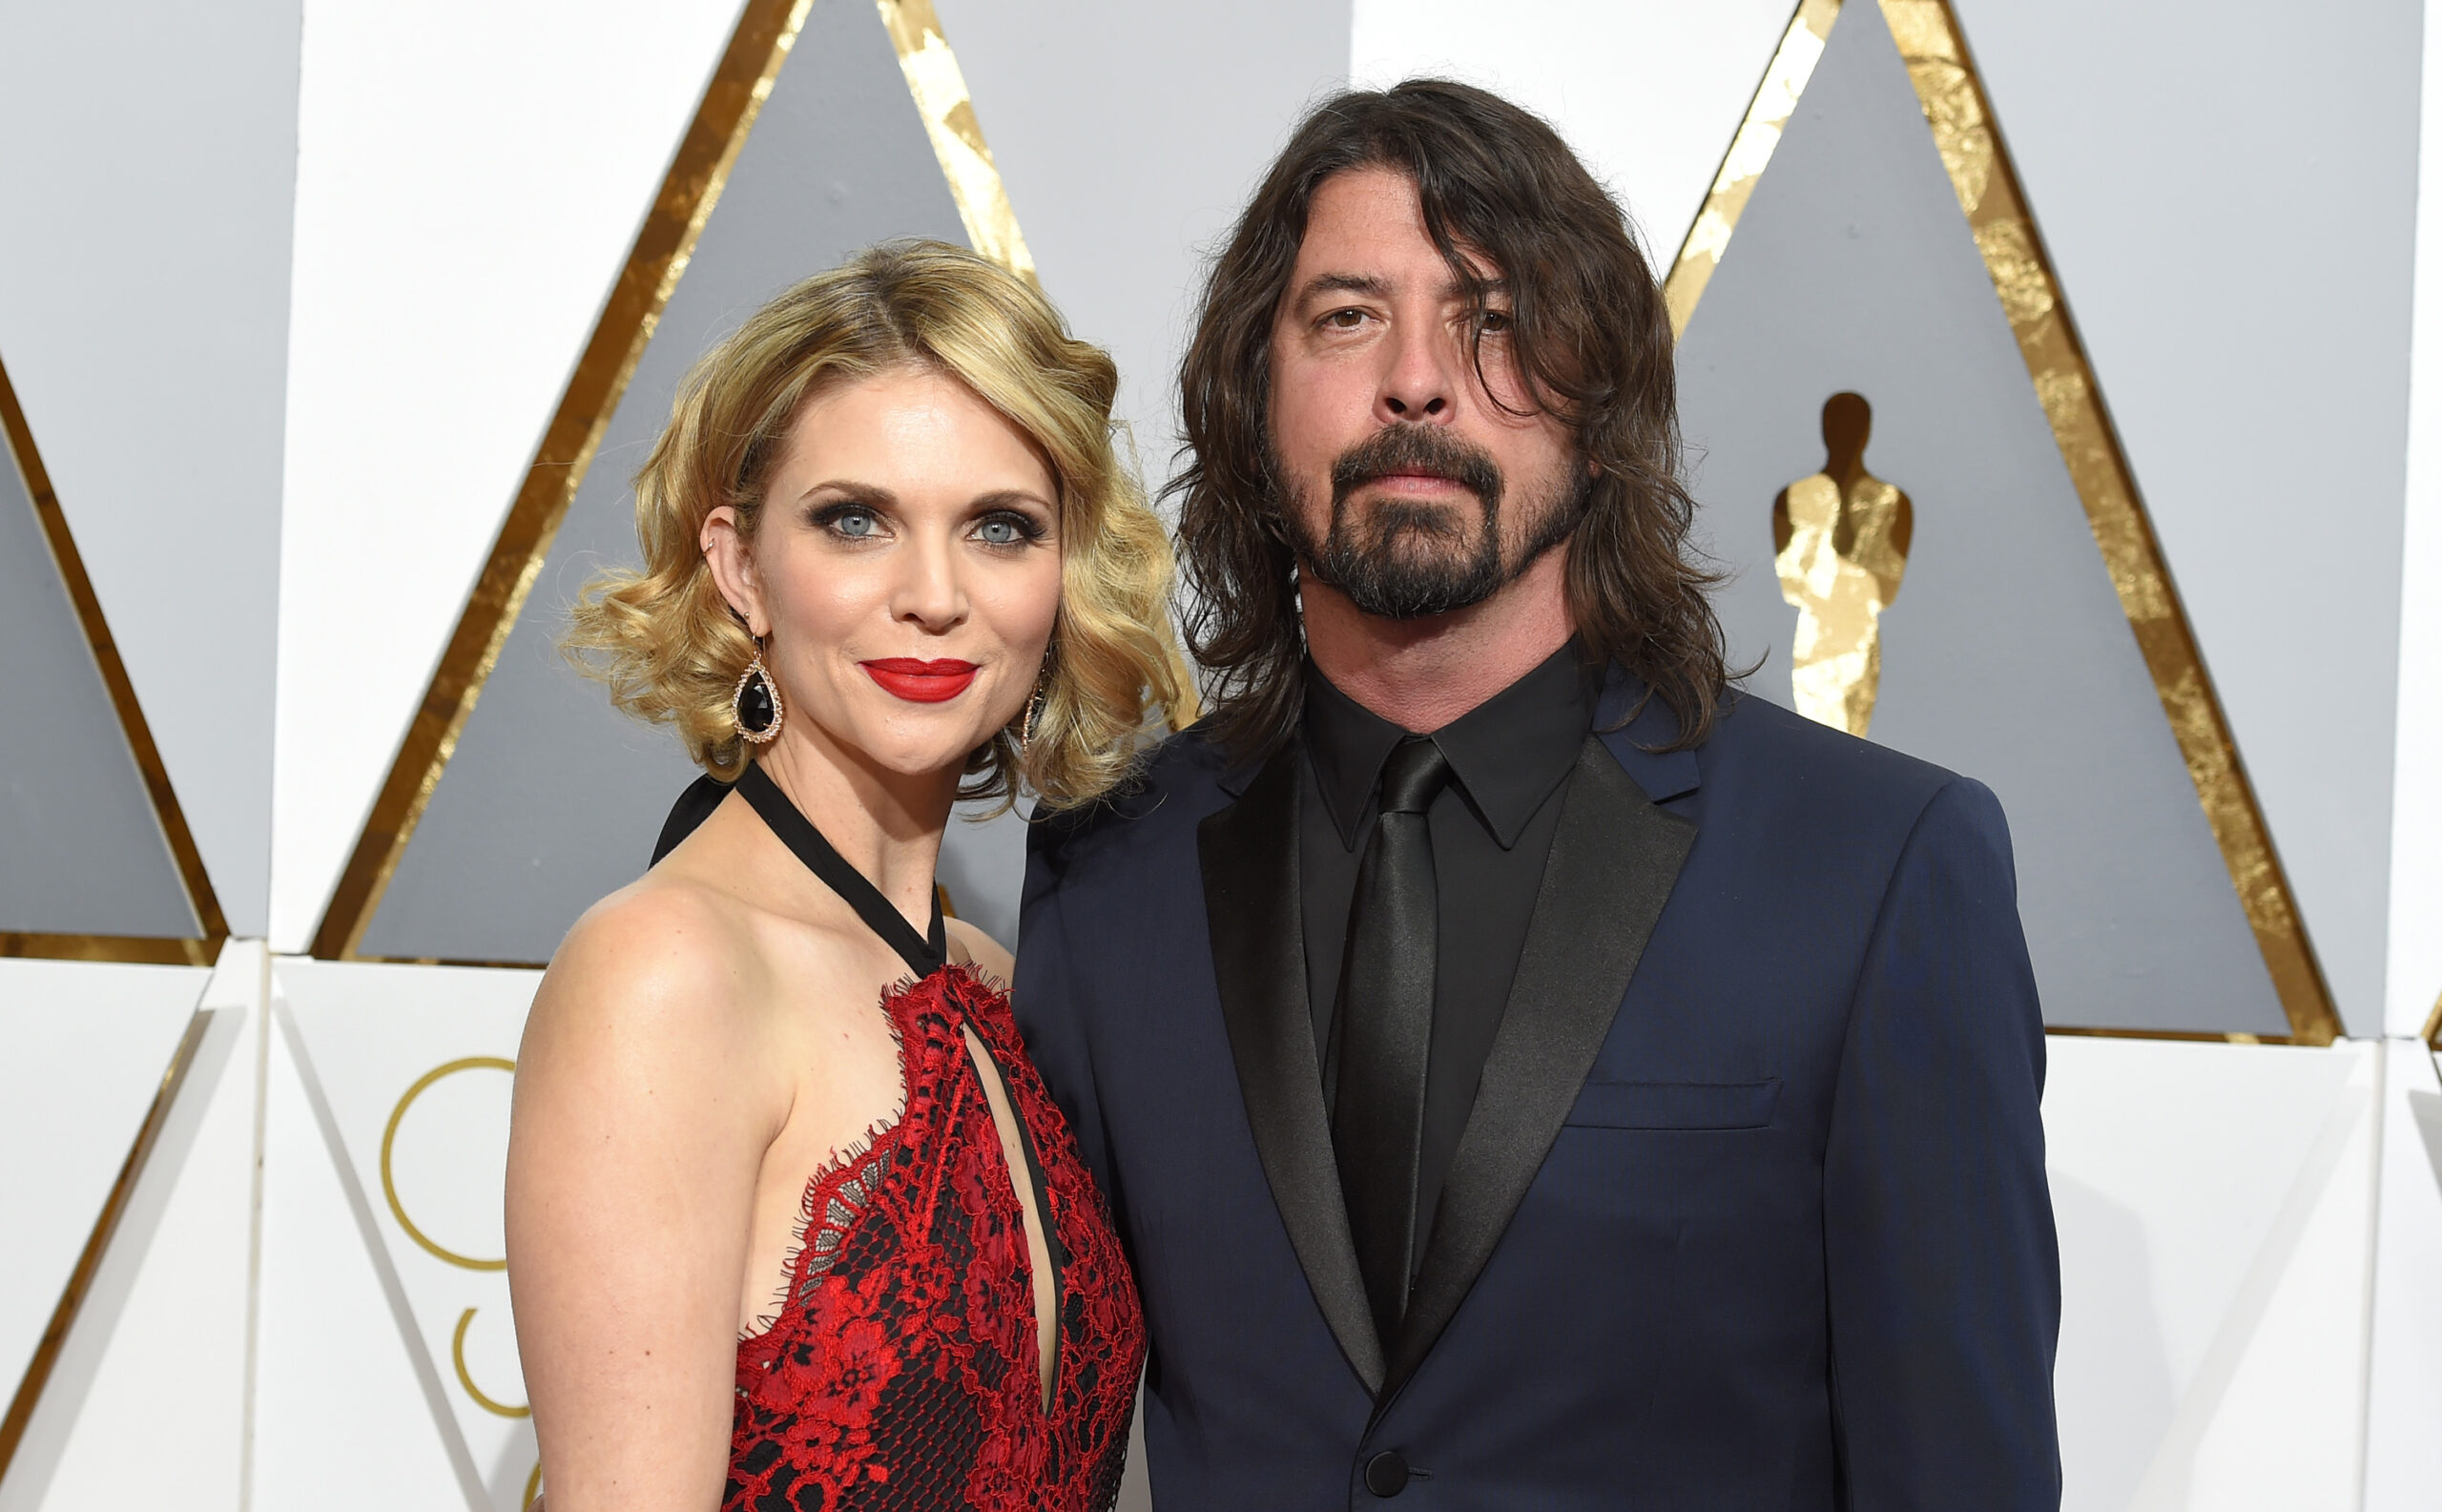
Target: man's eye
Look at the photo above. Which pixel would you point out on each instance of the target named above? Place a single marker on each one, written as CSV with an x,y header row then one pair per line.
x,y
1344,320
1492,323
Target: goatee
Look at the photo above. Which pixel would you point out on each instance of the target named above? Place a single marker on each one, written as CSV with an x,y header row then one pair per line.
x,y
1407,559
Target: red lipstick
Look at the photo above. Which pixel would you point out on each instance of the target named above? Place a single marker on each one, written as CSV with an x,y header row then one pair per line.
x,y
921,681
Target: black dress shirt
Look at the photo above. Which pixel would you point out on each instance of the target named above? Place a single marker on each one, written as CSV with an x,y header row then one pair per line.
x,y
1492,828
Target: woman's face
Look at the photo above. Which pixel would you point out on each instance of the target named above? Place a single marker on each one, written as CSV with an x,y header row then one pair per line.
x,y
905,570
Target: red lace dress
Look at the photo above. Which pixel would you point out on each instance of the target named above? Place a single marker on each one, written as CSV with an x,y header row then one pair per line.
x,y
903,1369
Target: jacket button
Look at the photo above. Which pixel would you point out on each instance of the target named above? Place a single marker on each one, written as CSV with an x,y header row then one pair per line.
x,y
1386,1474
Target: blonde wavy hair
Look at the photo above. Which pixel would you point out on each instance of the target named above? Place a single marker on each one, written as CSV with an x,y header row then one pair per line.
x,y
666,642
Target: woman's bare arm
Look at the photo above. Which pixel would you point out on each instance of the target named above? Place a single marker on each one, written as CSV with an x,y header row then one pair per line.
x,y
640,1122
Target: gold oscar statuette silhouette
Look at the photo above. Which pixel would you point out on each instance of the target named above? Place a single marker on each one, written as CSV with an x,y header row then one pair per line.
x,y
1840,542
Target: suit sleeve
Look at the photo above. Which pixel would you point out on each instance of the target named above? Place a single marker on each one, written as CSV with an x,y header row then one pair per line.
x,y
1049,998
1942,1268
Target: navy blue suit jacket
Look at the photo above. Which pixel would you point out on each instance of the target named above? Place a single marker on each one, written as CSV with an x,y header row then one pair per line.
x,y
1751,1211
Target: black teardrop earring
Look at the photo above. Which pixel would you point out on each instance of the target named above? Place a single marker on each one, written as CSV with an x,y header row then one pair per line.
x,y
755,705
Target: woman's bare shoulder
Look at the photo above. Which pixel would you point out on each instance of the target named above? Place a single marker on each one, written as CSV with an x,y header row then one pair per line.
x,y
665,958
984,953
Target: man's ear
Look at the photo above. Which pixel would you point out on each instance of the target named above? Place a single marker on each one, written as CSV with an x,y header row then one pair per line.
x,y
729,555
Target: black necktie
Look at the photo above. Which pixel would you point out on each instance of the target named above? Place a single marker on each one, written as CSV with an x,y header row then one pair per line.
x,y
1384,1030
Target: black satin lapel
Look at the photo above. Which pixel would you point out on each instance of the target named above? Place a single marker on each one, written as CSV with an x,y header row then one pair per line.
x,y
1249,859
1612,866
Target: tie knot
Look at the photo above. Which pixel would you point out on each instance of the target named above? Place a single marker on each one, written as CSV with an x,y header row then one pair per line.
x,y
1413,774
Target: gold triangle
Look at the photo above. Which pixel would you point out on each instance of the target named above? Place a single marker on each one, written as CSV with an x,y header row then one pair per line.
x,y
19,439
699,171
1959,114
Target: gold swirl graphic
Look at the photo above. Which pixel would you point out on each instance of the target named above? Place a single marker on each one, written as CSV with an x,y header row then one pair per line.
x,y
390,1190
458,1359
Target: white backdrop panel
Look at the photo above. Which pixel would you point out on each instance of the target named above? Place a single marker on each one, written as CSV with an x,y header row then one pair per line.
x,y
87,1044
2405,1384
148,1403
470,178
2412,980
369,1033
2213,1204
1648,92
339,1385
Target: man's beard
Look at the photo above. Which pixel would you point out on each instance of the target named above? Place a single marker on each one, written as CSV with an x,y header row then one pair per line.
x,y
1408,559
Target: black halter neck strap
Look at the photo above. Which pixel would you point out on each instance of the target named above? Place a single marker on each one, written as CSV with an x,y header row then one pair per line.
x,y
924,956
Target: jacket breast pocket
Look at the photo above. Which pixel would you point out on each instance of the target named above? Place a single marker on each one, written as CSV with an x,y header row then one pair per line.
x,y
1676,1105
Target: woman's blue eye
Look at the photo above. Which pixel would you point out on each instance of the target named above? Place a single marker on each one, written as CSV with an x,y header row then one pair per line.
x,y
1001,530
858,523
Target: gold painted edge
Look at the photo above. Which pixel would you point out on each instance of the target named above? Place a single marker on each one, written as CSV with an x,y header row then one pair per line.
x,y
80,1279
939,88
2065,382
2194,1036
2432,1035
940,94
698,171
1749,153
1951,94
184,857
131,950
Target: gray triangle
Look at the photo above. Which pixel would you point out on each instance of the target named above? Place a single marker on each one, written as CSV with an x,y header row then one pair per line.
x,y
84,849
2006,655
552,797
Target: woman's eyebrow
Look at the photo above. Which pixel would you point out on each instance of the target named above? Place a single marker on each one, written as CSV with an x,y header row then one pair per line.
x,y
1003,498
867,493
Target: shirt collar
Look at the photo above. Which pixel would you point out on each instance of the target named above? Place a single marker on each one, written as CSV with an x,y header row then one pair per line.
x,y
1508,753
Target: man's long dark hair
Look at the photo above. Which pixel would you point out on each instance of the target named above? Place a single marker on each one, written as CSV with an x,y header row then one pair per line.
x,y
1590,335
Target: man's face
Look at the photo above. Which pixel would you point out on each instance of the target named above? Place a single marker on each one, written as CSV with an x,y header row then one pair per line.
x,y
1409,483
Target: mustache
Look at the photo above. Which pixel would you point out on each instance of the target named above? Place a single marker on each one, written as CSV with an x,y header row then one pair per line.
x,y
1408,447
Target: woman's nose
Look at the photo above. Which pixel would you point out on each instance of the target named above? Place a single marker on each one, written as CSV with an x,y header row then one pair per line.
x,y
928,592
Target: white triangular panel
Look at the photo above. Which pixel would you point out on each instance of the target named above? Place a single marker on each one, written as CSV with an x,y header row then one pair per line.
x,y
147,1404
2210,1200
2404,1385
445,279
550,798
2287,1430
1646,92
370,1033
337,1389
87,1045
